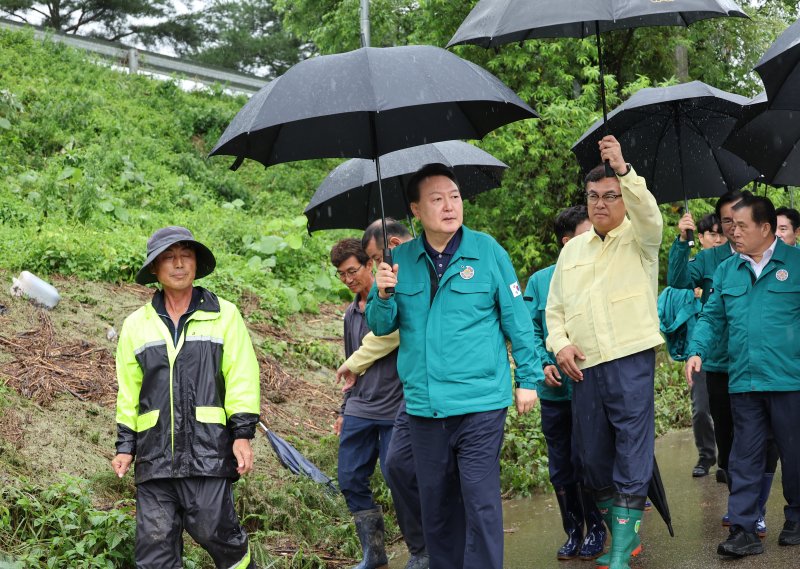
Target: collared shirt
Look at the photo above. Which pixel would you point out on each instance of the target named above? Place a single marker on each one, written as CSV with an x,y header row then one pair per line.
x,y
442,260
765,258
161,310
603,293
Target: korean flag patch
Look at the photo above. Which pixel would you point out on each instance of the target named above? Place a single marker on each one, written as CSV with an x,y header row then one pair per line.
x,y
515,290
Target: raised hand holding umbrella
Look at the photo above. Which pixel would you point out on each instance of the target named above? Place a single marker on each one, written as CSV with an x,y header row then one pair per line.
x,y
493,23
367,103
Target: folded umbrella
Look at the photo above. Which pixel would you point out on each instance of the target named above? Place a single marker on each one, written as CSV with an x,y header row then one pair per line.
x,y
292,459
348,197
658,496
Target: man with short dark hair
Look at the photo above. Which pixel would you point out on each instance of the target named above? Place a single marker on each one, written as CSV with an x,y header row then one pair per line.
x,y
187,407
372,240
368,411
456,300
398,465
756,295
709,232
555,395
788,229
603,328
684,272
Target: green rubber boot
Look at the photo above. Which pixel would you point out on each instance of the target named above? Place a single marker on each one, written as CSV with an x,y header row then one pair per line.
x,y
626,521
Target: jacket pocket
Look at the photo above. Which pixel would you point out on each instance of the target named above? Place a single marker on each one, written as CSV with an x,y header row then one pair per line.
x,y
211,436
630,318
150,439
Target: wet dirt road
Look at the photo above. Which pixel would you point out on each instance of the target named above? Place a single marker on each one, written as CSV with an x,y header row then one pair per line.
x,y
533,526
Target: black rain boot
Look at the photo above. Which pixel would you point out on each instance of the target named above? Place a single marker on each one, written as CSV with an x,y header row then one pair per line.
x,y
569,502
595,539
369,527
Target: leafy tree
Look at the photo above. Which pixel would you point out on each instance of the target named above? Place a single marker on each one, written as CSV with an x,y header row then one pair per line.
x,y
246,35
108,19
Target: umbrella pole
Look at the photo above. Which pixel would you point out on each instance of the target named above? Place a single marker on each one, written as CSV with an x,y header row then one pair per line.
x,y
609,171
689,232
408,213
791,197
387,253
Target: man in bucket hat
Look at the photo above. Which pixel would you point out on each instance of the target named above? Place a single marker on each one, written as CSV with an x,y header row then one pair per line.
x,y
187,407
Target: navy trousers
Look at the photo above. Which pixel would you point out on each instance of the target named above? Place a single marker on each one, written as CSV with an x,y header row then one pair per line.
x,y
562,454
458,470
401,477
755,416
203,506
613,418
719,402
361,442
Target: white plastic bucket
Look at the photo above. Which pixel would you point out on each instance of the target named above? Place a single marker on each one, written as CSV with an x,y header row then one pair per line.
x,y
36,289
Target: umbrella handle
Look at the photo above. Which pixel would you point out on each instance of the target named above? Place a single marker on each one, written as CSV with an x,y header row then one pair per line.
x,y
690,237
609,170
387,258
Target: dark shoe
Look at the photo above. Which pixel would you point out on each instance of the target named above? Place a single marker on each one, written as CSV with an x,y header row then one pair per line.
x,y
722,476
369,527
790,534
701,469
569,503
740,543
418,561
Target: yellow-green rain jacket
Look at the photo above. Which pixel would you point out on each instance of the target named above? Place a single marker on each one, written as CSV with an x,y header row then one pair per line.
x,y
180,407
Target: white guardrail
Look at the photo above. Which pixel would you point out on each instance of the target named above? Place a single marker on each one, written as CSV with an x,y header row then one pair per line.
x,y
136,59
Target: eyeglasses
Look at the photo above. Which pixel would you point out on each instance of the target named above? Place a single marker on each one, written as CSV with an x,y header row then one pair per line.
x,y
593,198
349,273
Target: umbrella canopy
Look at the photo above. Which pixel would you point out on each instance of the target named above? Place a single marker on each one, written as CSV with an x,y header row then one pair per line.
x,y
769,140
780,72
369,102
673,137
658,496
292,459
348,197
498,22
493,23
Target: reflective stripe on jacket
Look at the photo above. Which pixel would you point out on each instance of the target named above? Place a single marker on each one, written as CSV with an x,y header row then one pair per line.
x,y
179,408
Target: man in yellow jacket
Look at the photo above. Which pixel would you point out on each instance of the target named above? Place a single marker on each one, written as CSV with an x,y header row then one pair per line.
x,y
187,407
603,325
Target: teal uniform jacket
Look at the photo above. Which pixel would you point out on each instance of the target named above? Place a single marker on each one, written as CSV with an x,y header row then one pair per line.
x,y
683,272
677,315
536,296
453,358
762,317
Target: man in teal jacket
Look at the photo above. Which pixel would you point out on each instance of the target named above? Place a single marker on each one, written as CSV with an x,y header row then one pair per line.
x,y
756,295
555,394
456,300
684,272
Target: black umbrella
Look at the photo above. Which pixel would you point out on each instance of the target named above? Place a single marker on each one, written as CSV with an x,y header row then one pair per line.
x,y
779,69
768,140
367,103
348,197
673,136
658,496
493,23
292,459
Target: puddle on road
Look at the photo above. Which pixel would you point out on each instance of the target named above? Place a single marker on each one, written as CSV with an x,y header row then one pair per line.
x,y
534,534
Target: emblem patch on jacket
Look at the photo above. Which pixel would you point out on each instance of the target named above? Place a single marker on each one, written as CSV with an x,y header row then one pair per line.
x,y
782,275
467,273
515,290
